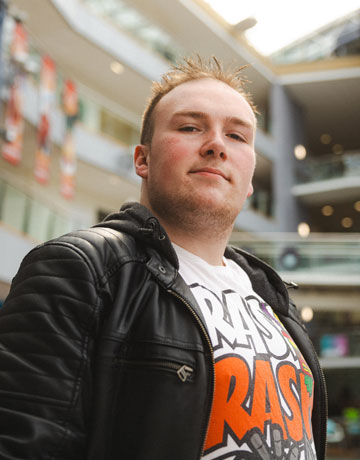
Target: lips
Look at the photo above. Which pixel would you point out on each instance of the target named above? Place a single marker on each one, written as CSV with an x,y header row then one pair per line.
x,y
209,171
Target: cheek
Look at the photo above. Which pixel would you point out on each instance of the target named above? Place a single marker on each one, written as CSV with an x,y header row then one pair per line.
x,y
170,152
246,166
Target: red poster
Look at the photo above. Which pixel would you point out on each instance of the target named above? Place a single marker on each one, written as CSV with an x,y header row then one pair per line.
x,y
68,157
14,123
19,44
70,99
46,101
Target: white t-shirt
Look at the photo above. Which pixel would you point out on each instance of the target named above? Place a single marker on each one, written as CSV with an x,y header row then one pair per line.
x,y
263,387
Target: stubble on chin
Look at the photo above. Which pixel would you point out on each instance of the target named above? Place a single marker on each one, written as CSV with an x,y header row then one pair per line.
x,y
194,214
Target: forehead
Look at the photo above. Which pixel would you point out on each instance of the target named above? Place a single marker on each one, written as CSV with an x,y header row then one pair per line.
x,y
205,95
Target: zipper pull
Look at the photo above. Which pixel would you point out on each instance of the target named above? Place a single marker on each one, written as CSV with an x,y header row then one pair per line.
x,y
184,372
291,285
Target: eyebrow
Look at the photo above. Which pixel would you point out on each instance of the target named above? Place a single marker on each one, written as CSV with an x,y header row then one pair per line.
x,y
202,115
241,122
190,114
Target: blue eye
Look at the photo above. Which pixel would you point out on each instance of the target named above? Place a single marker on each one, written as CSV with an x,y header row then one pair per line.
x,y
236,137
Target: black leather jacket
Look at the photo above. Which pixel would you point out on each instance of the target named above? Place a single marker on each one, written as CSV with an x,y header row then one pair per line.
x,y
104,353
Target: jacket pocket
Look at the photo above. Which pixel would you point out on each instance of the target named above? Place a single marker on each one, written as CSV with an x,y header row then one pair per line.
x,y
183,371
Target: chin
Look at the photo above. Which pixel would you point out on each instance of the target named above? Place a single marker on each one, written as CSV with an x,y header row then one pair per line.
x,y
217,202
218,208
208,206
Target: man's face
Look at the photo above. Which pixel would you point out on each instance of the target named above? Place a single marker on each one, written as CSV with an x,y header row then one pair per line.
x,y
201,158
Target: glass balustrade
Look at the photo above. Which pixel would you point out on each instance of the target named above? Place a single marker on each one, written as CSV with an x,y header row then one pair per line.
x,y
287,252
338,39
31,217
329,167
136,24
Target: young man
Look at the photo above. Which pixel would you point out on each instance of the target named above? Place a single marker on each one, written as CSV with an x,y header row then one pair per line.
x,y
146,337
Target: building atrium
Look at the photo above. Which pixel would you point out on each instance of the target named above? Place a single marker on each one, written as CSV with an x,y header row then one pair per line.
x,y
75,76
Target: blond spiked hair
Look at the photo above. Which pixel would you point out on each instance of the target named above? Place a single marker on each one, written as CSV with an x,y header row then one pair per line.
x,y
189,69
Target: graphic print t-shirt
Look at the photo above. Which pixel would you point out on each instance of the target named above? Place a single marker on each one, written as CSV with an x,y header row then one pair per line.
x,y
263,387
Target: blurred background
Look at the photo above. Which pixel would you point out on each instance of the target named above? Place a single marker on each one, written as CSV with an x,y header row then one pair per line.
x,y
74,79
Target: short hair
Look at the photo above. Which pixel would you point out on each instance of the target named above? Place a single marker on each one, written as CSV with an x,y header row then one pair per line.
x,y
189,69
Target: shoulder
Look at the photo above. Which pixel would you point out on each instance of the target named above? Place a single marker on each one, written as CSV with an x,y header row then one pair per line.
x,y
98,243
98,251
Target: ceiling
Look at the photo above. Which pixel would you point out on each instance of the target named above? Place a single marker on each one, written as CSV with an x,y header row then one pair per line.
x,y
83,60
326,96
330,106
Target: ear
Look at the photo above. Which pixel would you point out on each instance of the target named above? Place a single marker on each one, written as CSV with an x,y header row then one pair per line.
x,y
141,160
250,190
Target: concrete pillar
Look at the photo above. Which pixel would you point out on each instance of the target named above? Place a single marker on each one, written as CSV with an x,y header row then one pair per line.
x,y
287,128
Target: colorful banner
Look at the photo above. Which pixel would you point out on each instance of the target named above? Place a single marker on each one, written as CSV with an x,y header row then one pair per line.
x,y
46,102
14,123
68,157
19,44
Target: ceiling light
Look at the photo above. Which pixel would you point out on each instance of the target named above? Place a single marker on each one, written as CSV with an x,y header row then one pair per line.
x,y
325,139
116,67
303,230
327,210
300,152
347,222
307,314
338,149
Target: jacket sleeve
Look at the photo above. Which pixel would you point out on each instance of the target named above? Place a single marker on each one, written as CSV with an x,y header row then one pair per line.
x,y
46,344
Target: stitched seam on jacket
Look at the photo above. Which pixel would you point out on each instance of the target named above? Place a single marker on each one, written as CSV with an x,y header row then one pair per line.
x,y
111,270
57,451
160,341
76,388
81,253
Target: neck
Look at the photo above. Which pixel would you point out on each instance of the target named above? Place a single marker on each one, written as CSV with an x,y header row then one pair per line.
x,y
203,230
202,242
212,253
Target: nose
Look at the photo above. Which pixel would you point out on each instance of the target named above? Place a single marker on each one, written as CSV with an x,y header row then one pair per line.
x,y
214,145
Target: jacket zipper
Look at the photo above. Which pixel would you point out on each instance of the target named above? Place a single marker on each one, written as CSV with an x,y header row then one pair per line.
x,y
190,308
183,371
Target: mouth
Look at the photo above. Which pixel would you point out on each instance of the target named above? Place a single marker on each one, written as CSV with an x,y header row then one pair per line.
x,y
209,172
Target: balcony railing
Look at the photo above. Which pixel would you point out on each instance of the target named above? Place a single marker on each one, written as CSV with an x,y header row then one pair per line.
x,y
325,253
129,19
329,167
337,39
33,218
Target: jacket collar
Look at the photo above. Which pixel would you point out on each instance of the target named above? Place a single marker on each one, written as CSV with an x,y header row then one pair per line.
x,y
264,279
137,220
